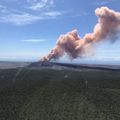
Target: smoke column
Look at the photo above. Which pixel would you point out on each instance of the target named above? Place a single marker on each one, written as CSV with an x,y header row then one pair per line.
x,y
108,27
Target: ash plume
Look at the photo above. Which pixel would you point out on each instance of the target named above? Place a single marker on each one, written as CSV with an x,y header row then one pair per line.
x,y
108,27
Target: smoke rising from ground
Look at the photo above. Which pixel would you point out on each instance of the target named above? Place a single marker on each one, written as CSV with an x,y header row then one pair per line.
x,y
108,27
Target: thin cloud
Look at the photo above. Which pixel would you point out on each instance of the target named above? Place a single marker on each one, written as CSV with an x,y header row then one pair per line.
x,y
105,2
43,4
19,19
34,40
37,6
82,13
54,13
101,3
3,9
25,16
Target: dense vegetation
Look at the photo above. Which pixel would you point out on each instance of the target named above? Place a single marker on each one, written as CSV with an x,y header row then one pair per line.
x,y
59,95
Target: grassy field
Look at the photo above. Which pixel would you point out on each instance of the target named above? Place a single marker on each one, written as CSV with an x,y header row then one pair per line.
x,y
59,95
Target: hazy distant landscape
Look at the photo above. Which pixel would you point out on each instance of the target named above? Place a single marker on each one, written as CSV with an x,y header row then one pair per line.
x,y
8,64
59,94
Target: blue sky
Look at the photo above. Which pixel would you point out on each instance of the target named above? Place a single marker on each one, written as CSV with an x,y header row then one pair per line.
x,y
30,28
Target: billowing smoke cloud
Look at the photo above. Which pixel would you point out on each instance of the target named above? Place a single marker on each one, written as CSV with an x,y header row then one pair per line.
x,y
107,27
